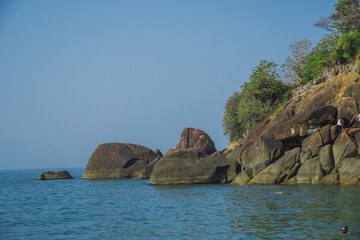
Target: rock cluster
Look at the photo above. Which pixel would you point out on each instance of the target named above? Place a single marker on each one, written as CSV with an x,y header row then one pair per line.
x,y
189,163
303,144
192,163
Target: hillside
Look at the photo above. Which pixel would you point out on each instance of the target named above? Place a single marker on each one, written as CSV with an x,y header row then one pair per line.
x,y
303,144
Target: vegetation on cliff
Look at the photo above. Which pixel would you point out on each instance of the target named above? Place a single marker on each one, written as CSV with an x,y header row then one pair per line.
x,y
267,91
258,99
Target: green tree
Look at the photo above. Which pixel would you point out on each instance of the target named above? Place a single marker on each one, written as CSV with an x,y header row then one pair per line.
x,y
258,99
252,111
348,47
321,55
264,83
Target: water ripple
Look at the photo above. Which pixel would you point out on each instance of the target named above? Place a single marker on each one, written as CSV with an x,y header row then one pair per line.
x,y
129,209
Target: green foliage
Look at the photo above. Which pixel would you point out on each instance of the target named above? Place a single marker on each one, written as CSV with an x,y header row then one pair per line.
x,y
287,96
258,100
232,127
264,83
313,68
348,47
252,111
322,55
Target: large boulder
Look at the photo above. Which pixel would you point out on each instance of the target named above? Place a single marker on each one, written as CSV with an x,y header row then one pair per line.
x,y
52,175
348,110
332,178
320,96
353,91
118,160
258,154
195,138
301,125
242,178
310,172
281,171
312,144
326,159
344,147
191,166
329,133
349,171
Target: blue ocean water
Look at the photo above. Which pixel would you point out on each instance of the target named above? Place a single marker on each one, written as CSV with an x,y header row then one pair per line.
x,y
129,209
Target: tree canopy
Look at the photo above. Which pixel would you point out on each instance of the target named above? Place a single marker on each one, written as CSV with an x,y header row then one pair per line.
x,y
257,100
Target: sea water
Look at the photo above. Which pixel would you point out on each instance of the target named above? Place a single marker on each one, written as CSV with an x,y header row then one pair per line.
x,y
130,209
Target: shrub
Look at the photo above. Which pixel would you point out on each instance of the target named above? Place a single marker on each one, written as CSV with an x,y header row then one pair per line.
x,y
232,127
348,47
258,99
322,55
313,68
252,111
287,96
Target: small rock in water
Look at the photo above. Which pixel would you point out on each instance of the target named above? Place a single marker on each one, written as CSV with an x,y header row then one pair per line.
x,y
51,175
283,193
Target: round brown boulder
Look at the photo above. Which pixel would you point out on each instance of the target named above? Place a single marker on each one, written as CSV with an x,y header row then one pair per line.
x,y
118,160
195,138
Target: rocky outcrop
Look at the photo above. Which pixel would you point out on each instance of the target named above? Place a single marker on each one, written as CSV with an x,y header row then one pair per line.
x,y
118,160
258,154
294,130
197,139
53,175
303,144
146,172
281,171
192,166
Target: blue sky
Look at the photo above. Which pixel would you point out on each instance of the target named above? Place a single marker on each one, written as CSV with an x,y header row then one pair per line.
x,y
78,73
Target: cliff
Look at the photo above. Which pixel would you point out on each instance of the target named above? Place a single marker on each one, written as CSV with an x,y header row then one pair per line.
x,y
303,144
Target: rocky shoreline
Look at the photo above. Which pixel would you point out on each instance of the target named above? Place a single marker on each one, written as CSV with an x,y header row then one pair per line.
x,y
302,145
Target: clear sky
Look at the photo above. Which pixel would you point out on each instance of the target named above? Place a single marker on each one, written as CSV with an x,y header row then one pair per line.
x,y
78,73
